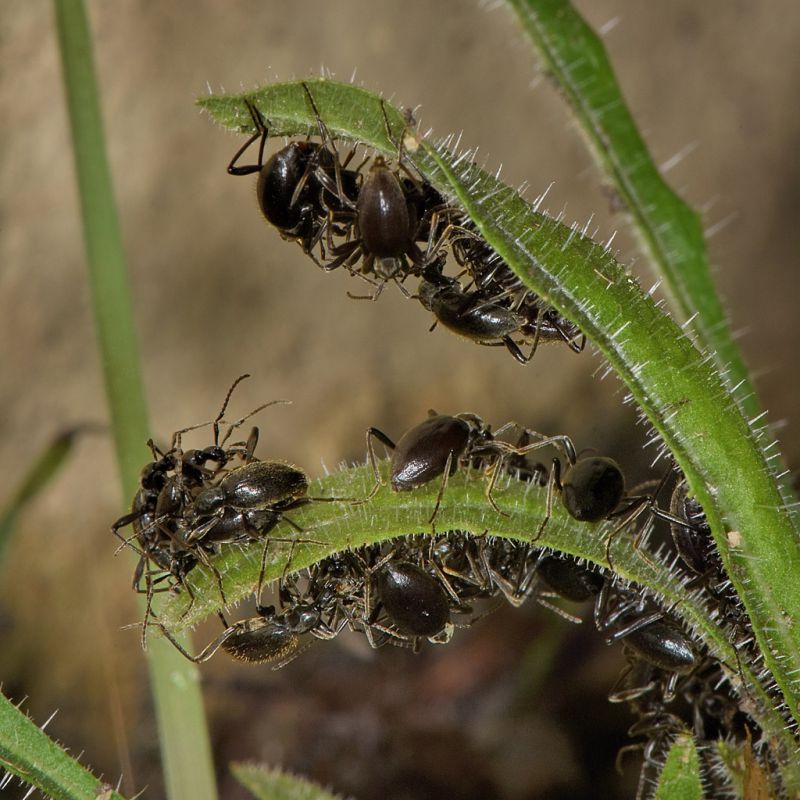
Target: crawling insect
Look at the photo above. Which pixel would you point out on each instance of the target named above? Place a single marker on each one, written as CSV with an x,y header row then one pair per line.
x,y
592,490
300,186
267,638
440,444
160,509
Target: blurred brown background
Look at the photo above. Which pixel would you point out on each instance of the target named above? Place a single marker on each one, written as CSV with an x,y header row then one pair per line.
x,y
218,293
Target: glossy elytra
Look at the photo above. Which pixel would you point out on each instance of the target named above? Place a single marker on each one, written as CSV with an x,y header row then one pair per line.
x,y
441,443
300,186
627,615
593,489
266,638
473,316
414,600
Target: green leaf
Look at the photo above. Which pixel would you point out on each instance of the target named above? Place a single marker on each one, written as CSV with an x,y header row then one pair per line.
x,y
671,232
675,384
340,526
680,776
272,784
38,476
183,735
26,751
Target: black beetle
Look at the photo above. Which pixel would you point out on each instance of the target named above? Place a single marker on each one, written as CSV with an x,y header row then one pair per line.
x,y
625,615
258,485
593,489
474,316
439,444
266,638
413,599
298,186
569,579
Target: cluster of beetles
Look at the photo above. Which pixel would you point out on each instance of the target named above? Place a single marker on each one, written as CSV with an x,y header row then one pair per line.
x,y
389,225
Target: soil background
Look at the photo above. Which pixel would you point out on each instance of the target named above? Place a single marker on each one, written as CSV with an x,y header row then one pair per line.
x,y
218,293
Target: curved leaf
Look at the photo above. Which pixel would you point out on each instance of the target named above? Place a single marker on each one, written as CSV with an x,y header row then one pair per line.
x,y
39,474
29,753
334,527
670,230
676,385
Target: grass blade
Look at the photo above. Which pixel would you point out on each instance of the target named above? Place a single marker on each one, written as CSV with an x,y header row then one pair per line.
x,y
49,462
183,734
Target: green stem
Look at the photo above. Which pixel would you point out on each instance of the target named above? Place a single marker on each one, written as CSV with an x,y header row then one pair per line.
x,y
183,733
672,232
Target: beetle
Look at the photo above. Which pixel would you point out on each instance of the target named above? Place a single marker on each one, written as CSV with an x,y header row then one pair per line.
x,y
300,185
474,316
441,443
569,579
262,639
414,600
593,489
626,615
